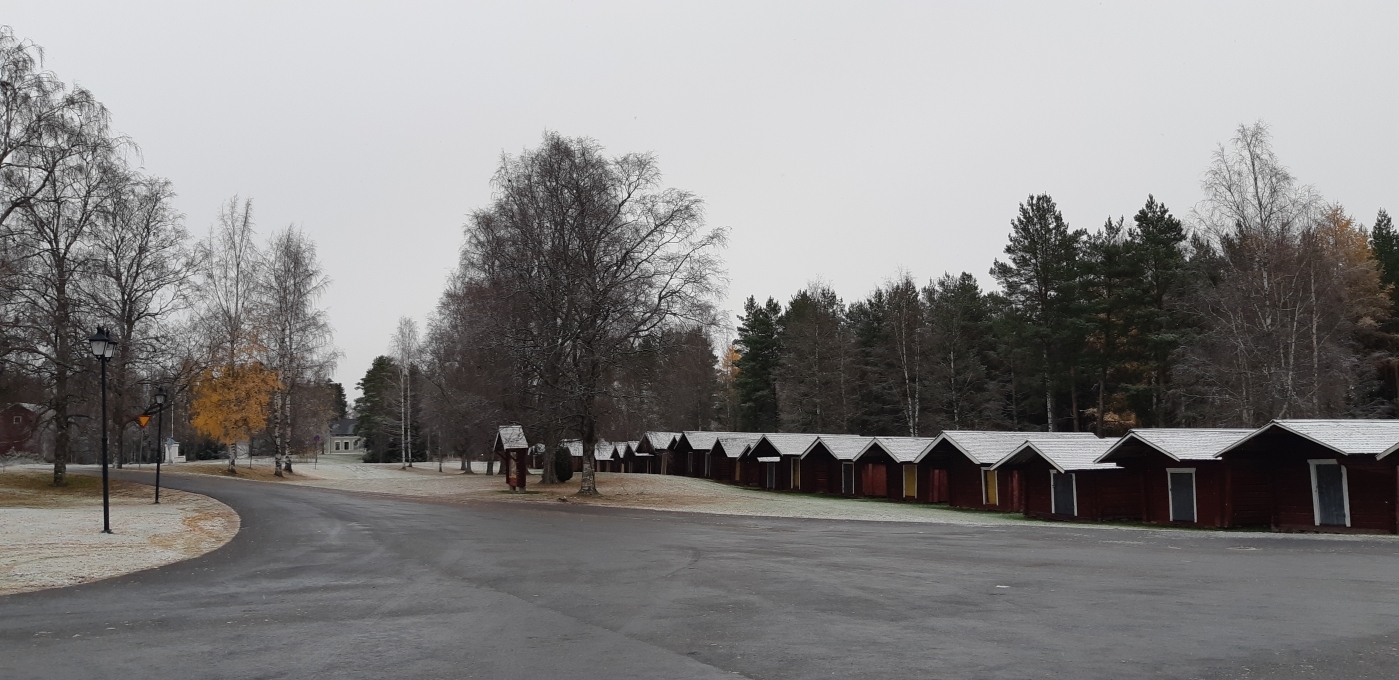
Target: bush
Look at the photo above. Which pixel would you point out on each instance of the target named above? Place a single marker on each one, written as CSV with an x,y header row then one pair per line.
x,y
563,465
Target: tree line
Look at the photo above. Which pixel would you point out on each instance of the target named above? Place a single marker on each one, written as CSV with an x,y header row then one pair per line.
x,y
584,306
228,325
1266,302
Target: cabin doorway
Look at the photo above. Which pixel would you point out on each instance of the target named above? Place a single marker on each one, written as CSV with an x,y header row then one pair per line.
x,y
1330,500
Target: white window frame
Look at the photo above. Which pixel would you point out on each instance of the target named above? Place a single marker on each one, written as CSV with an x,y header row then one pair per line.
x,y
1073,483
1316,496
1194,495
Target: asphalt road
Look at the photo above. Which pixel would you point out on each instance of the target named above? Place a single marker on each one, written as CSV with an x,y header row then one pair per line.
x,y
327,584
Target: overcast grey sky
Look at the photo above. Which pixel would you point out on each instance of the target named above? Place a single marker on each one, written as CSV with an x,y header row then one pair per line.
x,y
840,141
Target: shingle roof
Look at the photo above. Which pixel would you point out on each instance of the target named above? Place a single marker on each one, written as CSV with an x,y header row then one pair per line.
x,y
901,449
510,437
703,440
1185,443
790,444
988,448
574,446
842,446
1066,454
658,441
1376,438
343,427
736,445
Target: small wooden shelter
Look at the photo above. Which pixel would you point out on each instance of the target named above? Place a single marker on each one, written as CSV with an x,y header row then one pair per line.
x,y
661,446
1183,481
771,462
692,450
829,465
722,461
512,447
1315,475
905,478
1058,478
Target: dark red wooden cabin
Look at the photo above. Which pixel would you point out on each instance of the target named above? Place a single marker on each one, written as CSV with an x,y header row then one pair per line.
x,y
906,479
1183,482
1315,475
827,465
513,449
724,459
660,446
1059,478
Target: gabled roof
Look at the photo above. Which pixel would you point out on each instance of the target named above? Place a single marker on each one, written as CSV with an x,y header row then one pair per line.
x,y
510,438
901,449
988,448
1179,443
574,446
605,450
1377,438
343,427
1066,454
843,447
630,448
658,441
735,445
703,440
789,444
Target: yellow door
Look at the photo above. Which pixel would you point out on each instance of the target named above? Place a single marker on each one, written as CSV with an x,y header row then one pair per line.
x,y
910,481
990,487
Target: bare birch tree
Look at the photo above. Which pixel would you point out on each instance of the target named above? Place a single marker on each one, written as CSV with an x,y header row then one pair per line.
x,y
297,338
405,348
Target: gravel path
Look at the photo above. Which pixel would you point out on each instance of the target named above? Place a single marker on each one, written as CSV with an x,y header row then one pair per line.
x,y
50,539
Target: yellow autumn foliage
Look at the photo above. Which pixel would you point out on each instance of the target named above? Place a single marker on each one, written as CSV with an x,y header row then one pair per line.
x,y
230,403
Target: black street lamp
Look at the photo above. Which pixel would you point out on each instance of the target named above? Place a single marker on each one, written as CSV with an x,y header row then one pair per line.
x,y
159,439
103,347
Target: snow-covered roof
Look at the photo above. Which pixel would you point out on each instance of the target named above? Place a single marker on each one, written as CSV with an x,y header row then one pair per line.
x,y
901,449
988,448
510,438
735,445
843,447
629,448
790,444
659,441
1066,454
703,440
574,446
1184,443
1377,438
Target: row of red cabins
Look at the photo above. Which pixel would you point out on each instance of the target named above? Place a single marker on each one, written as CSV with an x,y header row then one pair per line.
x,y
1289,475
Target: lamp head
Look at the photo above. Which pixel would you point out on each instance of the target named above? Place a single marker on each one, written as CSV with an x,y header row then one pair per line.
x,y
160,396
100,340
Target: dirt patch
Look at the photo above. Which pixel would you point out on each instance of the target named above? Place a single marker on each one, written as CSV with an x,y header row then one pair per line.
x,y
52,536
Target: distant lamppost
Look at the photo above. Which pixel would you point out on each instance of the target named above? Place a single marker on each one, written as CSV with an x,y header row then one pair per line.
x,y
159,438
103,347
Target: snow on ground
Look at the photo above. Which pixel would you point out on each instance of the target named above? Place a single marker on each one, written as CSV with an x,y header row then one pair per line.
x,y
643,492
51,538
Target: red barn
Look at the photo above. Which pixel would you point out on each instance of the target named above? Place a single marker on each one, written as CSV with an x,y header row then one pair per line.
x,y
1315,475
1183,481
1056,477
19,425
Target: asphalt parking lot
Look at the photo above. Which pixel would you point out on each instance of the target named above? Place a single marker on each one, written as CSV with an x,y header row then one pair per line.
x,y
323,583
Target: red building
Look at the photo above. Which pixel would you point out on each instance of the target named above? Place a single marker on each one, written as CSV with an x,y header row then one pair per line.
x,y
724,460
660,446
19,428
1183,481
1057,477
770,462
1315,475
692,449
905,478
965,457
828,466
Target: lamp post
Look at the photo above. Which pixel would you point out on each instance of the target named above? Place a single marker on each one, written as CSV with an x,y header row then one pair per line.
x,y
103,347
159,438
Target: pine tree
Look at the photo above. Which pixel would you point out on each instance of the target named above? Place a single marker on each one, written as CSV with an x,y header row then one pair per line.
x,y
1040,282
1384,243
1159,330
759,351
1110,278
